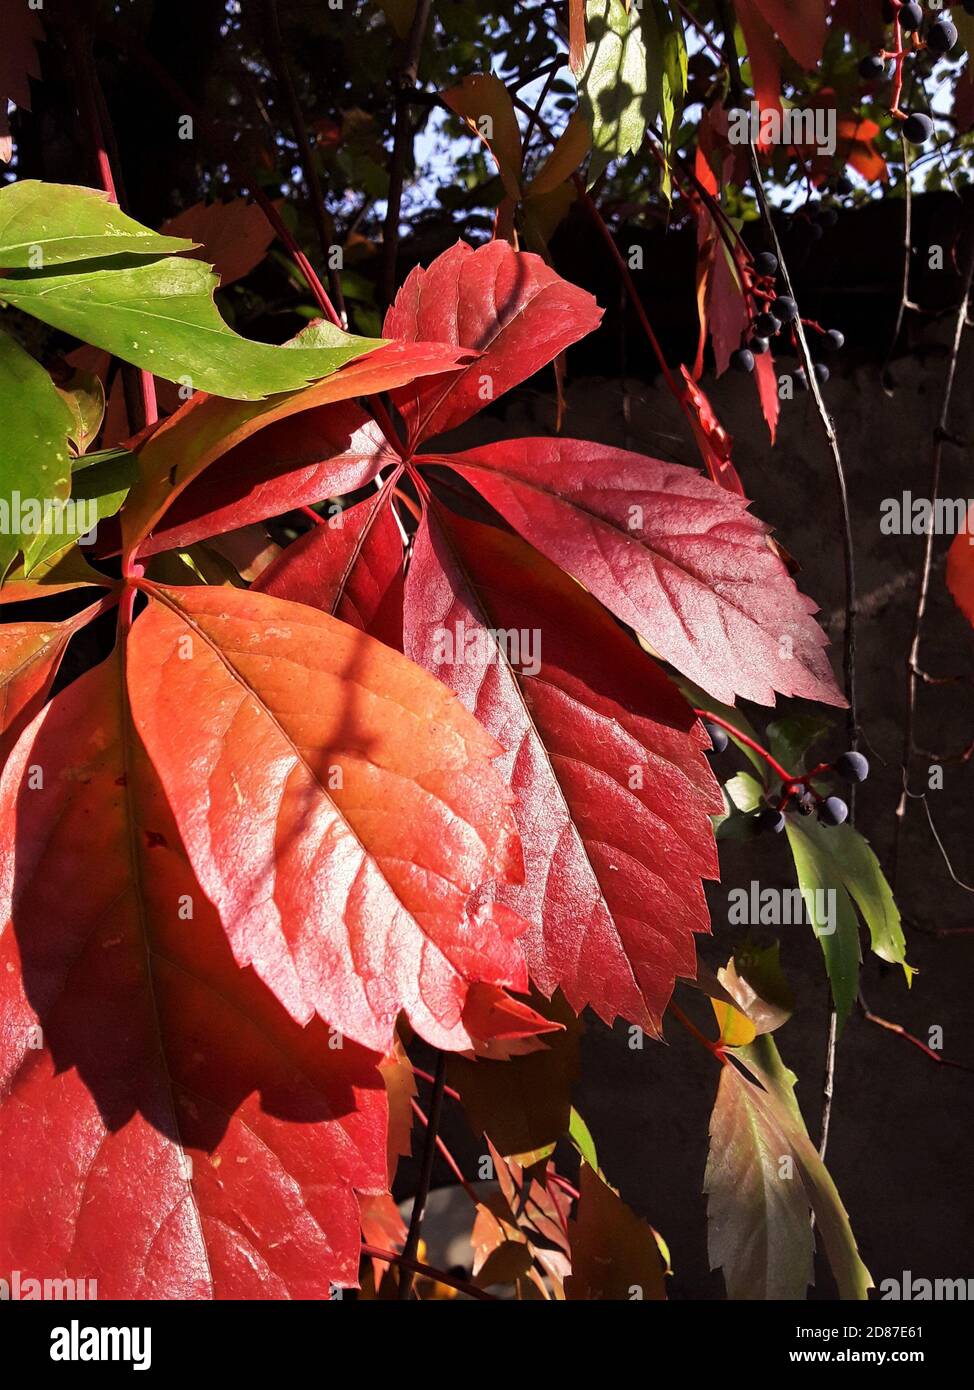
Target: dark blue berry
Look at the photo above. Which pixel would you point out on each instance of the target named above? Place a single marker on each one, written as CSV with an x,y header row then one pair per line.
x,y
872,68
765,264
941,36
852,767
785,308
717,736
833,811
918,128
742,360
822,373
911,17
769,818
766,325
832,341
759,346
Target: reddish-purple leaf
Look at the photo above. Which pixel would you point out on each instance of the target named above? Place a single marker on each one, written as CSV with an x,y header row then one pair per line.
x,y
338,806
296,462
671,554
606,761
207,428
349,566
166,1129
508,305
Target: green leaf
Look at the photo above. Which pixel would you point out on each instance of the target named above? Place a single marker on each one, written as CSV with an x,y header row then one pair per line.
x,y
758,1227
663,32
829,908
777,1098
847,859
613,85
581,1136
35,464
44,224
84,396
99,485
743,794
161,316
790,739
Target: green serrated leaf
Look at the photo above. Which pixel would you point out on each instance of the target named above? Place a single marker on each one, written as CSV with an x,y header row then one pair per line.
x,y
35,463
613,86
99,485
161,316
790,739
848,860
829,909
778,1102
45,224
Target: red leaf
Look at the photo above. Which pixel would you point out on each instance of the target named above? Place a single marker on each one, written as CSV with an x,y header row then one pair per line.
x,y
502,1026
22,31
576,34
676,557
762,52
295,462
612,884
767,383
234,236
337,804
166,1129
800,24
208,427
347,566
30,654
507,305
714,442
960,569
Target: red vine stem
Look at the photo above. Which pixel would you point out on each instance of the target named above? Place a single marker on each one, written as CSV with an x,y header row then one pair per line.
x,y
448,1158
754,746
715,1049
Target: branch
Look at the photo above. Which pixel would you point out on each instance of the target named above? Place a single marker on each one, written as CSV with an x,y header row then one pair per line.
x,y
923,582
425,1178
405,1263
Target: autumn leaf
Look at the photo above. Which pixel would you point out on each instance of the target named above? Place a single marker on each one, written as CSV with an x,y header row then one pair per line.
x,y
603,756
614,1255
677,558
508,306
167,1129
233,236
304,452
337,804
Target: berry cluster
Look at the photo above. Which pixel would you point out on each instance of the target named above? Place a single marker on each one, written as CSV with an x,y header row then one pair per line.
x,y
773,313
941,35
797,793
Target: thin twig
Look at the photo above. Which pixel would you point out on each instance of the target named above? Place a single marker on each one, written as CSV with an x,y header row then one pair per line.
x,y
898,1028
905,302
425,1176
923,582
406,1263
401,144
